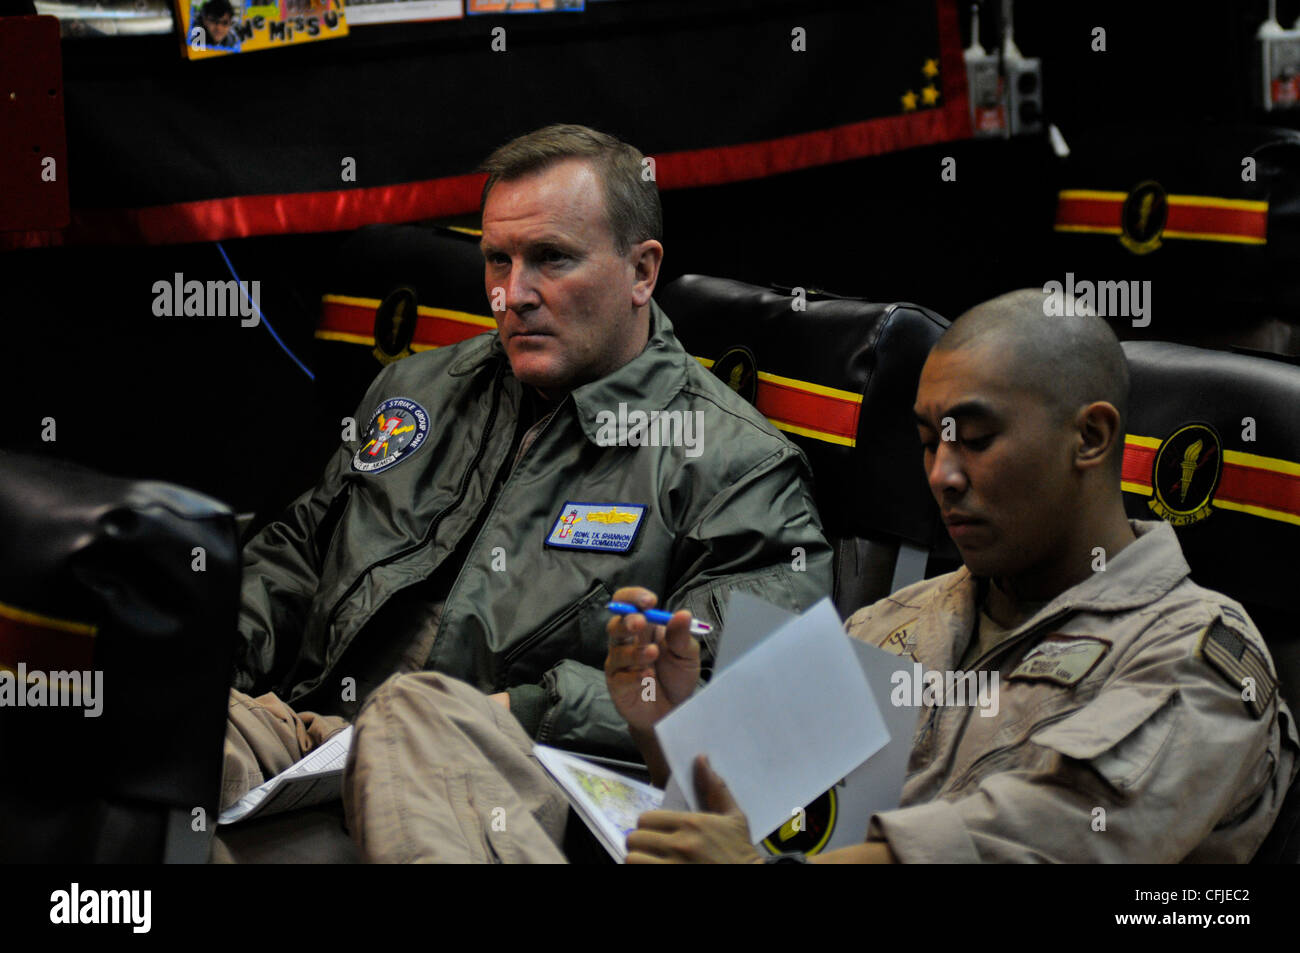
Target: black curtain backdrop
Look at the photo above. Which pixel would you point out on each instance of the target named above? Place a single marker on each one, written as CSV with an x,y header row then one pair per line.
x,y
223,409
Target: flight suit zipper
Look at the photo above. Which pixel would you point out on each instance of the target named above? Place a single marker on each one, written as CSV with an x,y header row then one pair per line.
x,y
514,468
988,656
923,736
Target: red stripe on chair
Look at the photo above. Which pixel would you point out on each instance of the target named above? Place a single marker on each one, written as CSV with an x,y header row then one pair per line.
x,y
1239,483
430,330
1195,215
43,648
807,409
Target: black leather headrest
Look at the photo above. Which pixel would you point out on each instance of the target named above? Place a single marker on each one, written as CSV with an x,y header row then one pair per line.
x,y
839,378
1233,421
82,550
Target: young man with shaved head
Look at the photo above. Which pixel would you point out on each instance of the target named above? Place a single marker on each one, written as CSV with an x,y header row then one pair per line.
x,y
1139,717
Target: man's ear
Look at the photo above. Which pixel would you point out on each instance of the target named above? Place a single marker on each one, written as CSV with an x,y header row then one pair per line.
x,y
646,257
1099,434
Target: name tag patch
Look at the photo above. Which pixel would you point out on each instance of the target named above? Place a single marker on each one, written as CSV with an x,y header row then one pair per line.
x,y
603,527
1063,659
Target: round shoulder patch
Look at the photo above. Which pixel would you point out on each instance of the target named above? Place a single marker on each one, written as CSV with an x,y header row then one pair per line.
x,y
397,429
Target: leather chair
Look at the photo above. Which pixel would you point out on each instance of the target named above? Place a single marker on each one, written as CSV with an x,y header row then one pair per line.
x,y
136,581
1213,446
838,378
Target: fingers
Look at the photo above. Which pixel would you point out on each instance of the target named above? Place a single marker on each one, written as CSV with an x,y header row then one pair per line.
x,y
681,645
639,596
632,640
632,644
655,847
711,790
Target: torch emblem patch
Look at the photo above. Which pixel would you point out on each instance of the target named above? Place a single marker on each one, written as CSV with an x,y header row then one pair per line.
x,y
1186,474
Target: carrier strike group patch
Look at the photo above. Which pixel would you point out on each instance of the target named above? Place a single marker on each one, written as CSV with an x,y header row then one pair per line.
x,y
605,527
397,429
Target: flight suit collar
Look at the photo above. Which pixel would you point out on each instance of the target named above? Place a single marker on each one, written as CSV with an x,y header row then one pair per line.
x,y
1140,574
647,382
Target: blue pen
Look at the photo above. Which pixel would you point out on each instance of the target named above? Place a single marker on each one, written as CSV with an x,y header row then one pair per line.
x,y
657,616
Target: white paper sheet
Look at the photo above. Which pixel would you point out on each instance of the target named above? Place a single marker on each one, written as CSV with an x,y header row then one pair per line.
x,y
316,779
877,784
781,724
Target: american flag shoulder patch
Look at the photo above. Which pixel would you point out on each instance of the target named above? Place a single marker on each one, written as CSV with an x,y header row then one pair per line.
x,y
1241,664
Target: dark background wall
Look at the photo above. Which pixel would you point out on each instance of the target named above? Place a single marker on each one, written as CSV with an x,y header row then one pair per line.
x,y
221,408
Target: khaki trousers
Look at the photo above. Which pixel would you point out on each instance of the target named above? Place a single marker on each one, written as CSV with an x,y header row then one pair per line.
x,y
440,773
263,737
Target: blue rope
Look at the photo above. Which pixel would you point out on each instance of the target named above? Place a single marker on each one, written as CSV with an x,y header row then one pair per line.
x,y
265,323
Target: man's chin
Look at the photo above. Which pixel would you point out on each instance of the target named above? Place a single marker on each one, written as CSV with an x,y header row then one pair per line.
x,y
982,560
541,375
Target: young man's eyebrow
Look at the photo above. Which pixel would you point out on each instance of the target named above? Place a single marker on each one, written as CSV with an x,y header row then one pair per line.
x,y
967,408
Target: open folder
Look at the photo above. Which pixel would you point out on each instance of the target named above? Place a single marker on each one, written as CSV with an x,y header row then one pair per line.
x,y
797,720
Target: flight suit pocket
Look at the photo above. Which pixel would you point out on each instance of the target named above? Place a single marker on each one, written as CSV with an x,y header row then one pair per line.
x,y
577,632
1121,733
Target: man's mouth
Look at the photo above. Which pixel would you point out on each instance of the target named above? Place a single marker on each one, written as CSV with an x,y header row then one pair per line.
x,y
961,525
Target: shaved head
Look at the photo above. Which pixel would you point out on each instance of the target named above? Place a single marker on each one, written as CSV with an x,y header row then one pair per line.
x,y
1020,417
1068,361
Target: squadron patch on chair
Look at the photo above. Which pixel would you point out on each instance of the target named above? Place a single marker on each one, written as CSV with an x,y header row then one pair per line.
x,y
1241,664
397,429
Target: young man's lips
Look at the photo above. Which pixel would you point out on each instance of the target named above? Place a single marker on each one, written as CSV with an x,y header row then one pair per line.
x,y
960,527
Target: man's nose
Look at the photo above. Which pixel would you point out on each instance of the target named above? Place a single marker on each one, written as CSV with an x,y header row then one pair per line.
x,y
520,289
946,473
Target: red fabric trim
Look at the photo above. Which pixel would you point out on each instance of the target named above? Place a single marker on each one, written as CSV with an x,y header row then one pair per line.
x,y
43,649
1254,487
1138,462
806,409
244,216
1096,213
429,329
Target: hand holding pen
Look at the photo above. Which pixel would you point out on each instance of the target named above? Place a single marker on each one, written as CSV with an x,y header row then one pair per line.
x,y
650,667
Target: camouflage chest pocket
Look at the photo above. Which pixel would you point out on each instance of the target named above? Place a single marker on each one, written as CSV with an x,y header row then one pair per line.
x,y
1121,734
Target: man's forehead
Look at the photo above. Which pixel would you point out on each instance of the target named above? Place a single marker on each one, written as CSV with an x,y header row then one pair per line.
x,y
968,382
561,200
